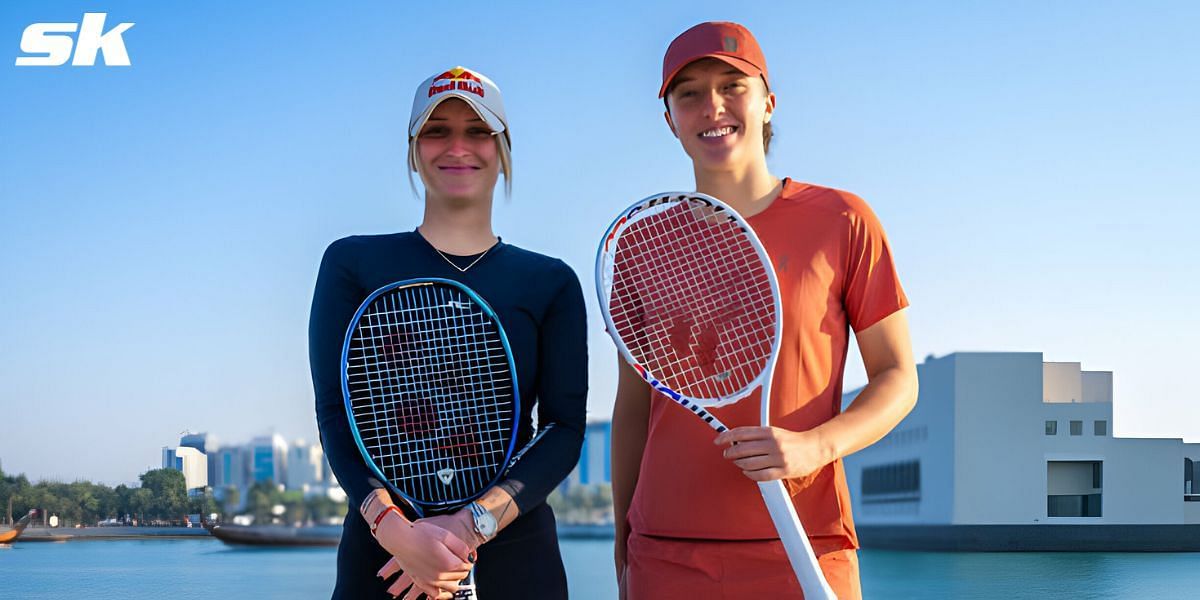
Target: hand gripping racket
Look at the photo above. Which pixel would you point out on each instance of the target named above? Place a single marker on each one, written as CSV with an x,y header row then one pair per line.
x,y
431,394
690,298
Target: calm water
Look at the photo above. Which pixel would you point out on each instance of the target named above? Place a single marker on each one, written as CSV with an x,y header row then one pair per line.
x,y
181,569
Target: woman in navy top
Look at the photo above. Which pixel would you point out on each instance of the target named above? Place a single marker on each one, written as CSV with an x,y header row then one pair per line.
x,y
458,145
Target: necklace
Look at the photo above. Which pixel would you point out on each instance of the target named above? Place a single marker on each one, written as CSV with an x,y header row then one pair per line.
x,y
462,269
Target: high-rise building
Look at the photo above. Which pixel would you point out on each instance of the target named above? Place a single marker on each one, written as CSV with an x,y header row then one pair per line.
x,y
268,459
305,466
231,467
192,462
595,458
206,443
595,462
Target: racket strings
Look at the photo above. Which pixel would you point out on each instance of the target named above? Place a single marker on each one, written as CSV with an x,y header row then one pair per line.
x,y
692,300
431,392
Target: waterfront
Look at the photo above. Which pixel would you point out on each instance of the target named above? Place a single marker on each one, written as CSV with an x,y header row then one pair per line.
x,y
205,568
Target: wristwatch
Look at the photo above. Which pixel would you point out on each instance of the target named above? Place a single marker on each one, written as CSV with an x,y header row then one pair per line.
x,y
485,522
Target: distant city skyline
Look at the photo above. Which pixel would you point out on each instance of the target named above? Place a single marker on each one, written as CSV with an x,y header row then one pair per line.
x,y
161,224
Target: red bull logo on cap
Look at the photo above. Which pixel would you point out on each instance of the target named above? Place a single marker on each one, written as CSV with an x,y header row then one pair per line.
x,y
457,78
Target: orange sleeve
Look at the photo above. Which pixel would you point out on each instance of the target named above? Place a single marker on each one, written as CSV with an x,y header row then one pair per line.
x,y
872,287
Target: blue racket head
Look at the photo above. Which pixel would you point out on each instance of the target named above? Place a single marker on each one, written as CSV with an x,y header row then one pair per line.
x,y
431,391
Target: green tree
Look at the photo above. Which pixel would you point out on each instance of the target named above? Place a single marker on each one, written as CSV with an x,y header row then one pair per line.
x,y
233,499
321,508
261,500
11,488
204,504
169,492
124,501
294,510
141,503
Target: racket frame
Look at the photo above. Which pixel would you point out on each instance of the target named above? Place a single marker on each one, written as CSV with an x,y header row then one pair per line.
x,y
421,508
779,505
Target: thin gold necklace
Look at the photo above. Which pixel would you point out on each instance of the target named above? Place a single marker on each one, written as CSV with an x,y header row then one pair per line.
x,y
462,269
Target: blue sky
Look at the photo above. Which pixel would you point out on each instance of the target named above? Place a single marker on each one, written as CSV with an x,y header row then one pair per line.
x,y
161,224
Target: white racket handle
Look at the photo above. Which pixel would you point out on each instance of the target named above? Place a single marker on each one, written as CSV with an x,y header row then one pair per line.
x,y
466,588
795,541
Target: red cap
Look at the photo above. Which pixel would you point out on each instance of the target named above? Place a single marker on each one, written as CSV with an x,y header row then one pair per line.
x,y
728,42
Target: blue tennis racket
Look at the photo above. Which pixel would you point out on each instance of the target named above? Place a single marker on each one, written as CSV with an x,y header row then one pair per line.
x,y
431,393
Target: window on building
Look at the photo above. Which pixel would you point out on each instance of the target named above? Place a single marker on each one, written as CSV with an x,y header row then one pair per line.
x,y
1076,427
1073,505
1101,428
1074,488
1189,477
896,482
1051,427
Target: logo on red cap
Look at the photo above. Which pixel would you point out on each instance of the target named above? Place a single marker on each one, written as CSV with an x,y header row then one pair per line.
x,y
729,43
456,79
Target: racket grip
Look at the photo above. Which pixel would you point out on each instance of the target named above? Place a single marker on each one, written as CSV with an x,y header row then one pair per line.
x,y
795,541
466,588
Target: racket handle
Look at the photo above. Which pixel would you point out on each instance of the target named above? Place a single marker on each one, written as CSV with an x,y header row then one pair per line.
x,y
466,588
795,541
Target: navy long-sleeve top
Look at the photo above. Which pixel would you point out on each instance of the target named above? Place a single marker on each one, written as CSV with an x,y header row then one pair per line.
x,y
538,301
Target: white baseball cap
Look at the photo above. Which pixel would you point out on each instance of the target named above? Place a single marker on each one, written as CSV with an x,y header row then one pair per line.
x,y
479,92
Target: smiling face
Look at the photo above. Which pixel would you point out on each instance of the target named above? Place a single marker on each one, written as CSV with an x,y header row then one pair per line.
x,y
457,153
718,113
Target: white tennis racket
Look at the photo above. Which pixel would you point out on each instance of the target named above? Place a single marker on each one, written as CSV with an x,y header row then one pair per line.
x,y
690,298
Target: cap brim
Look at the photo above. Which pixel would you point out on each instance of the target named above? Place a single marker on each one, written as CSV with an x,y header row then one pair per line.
x,y
493,122
740,64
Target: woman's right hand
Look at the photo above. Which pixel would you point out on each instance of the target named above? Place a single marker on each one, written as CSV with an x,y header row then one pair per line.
x,y
434,559
620,556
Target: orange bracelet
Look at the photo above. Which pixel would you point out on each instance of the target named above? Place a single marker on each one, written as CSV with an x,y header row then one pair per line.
x,y
384,513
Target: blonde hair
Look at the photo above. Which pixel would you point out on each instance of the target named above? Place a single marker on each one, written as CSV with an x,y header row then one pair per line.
x,y
502,149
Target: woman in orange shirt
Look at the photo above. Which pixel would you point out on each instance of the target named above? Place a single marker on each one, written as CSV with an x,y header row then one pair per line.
x,y
690,521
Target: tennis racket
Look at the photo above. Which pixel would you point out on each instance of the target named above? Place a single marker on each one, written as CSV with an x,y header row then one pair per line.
x,y
690,298
431,393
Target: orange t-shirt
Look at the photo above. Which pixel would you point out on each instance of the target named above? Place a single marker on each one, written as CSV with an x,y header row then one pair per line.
x,y
835,269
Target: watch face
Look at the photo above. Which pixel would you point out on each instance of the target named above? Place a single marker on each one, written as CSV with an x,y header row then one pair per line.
x,y
485,522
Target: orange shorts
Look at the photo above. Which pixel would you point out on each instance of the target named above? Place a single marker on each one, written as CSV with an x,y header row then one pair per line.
x,y
683,569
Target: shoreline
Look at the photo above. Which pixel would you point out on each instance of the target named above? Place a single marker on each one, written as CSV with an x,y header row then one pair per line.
x,y
59,534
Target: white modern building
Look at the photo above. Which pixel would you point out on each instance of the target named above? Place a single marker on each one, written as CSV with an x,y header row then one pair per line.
x,y
206,443
191,462
1008,439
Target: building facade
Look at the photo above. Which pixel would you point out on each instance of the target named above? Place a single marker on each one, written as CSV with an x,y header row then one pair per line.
x,y
305,466
191,462
268,459
595,458
1008,439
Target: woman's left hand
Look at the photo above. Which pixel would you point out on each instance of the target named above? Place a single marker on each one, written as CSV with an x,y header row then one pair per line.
x,y
461,526
769,453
